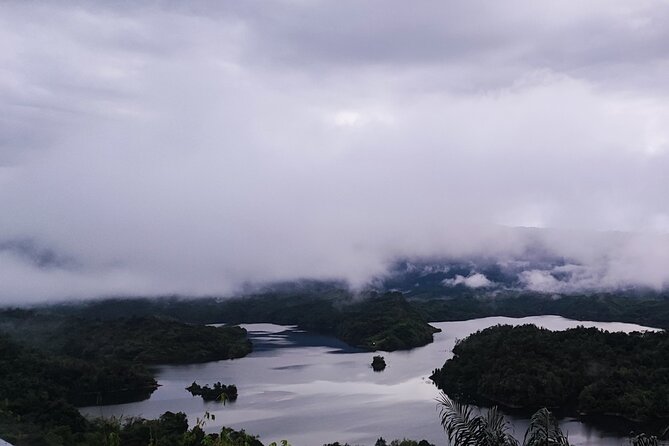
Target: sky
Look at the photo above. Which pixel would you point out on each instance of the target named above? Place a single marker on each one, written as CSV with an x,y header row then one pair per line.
x,y
190,148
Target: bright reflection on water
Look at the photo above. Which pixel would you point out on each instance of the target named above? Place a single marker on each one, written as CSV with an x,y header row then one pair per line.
x,y
312,389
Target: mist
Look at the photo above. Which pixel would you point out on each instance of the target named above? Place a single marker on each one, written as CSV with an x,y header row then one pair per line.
x,y
170,149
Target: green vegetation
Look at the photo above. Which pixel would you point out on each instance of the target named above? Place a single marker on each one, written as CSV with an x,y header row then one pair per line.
x,y
651,310
150,340
50,364
53,359
171,429
323,309
582,370
378,363
143,340
220,392
39,391
384,322
463,428
374,322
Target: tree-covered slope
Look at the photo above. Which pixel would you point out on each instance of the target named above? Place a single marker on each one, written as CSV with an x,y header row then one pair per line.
x,y
144,340
583,369
151,340
373,321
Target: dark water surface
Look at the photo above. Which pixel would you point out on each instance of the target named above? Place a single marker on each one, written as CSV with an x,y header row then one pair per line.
x,y
312,389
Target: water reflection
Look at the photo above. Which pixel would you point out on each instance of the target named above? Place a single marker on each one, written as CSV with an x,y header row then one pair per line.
x,y
313,389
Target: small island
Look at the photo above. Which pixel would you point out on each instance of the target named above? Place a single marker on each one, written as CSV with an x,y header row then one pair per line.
x,y
220,392
378,363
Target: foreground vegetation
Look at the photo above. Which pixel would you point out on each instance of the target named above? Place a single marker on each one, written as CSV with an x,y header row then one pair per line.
x,y
581,370
171,429
464,428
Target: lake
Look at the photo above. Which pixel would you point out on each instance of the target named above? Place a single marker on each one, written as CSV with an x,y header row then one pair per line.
x,y
311,389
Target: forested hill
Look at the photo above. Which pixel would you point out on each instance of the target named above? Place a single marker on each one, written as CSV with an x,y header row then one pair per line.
x,y
650,309
375,322
142,340
582,370
323,308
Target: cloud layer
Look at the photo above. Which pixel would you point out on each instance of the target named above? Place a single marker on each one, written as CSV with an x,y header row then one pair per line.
x,y
164,148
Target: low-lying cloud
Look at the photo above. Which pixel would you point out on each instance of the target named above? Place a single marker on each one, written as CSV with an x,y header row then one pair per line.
x,y
475,280
162,148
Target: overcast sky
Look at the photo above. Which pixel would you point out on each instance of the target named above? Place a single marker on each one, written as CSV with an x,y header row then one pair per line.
x,y
190,147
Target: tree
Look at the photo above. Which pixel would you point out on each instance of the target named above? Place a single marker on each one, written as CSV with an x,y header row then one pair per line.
x,y
544,431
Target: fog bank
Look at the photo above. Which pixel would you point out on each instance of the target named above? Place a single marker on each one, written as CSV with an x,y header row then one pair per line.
x,y
163,148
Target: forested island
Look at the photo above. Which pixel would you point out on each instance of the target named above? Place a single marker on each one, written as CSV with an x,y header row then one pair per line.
x,y
218,392
378,363
581,370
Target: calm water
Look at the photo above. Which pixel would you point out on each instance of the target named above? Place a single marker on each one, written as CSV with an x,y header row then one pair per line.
x,y
312,389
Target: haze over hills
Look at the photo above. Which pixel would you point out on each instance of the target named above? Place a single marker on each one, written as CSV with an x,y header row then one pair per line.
x,y
522,259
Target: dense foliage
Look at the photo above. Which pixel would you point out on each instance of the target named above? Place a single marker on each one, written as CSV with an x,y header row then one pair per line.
x,y
650,310
219,392
151,340
144,340
375,322
385,322
322,308
171,429
378,363
49,364
464,428
583,369
39,390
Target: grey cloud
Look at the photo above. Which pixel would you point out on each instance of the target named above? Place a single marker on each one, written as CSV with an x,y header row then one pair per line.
x,y
192,149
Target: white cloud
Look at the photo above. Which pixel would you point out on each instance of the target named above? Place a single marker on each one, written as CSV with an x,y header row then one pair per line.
x,y
475,280
541,281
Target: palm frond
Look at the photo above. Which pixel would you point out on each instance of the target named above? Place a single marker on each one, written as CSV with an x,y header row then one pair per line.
x,y
461,427
544,431
644,440
464,429
496,429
